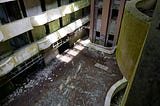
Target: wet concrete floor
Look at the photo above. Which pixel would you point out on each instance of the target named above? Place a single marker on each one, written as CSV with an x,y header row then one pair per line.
x,y
72,79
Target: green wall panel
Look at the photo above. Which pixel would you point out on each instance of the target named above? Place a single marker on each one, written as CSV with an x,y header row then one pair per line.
x,y
132,36
38,32
53,26
66,19
5,49
78,14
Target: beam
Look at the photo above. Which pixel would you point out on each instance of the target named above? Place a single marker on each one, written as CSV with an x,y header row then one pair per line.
x,y
93,18
106,16
119,21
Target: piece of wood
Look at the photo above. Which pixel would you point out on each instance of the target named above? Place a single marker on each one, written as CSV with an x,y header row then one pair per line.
x,y
100,66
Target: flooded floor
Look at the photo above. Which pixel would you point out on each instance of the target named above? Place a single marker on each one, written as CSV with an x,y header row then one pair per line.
x,y
81,76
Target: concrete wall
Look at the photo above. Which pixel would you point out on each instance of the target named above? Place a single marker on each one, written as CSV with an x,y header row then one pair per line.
x,y
132,36
143,89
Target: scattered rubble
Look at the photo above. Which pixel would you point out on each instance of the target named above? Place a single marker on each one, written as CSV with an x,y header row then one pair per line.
x,y
77,82
31,83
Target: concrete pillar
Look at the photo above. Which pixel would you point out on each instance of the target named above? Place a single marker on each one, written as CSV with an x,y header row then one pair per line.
x,y
144,87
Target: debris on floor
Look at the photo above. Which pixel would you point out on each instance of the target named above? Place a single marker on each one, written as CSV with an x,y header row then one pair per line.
x,y
105,68
76,82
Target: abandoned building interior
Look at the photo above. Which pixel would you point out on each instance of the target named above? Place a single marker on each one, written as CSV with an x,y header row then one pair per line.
x,y
79,52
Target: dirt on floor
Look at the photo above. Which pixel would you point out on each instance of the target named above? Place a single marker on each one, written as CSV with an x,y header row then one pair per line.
x,y
72,79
